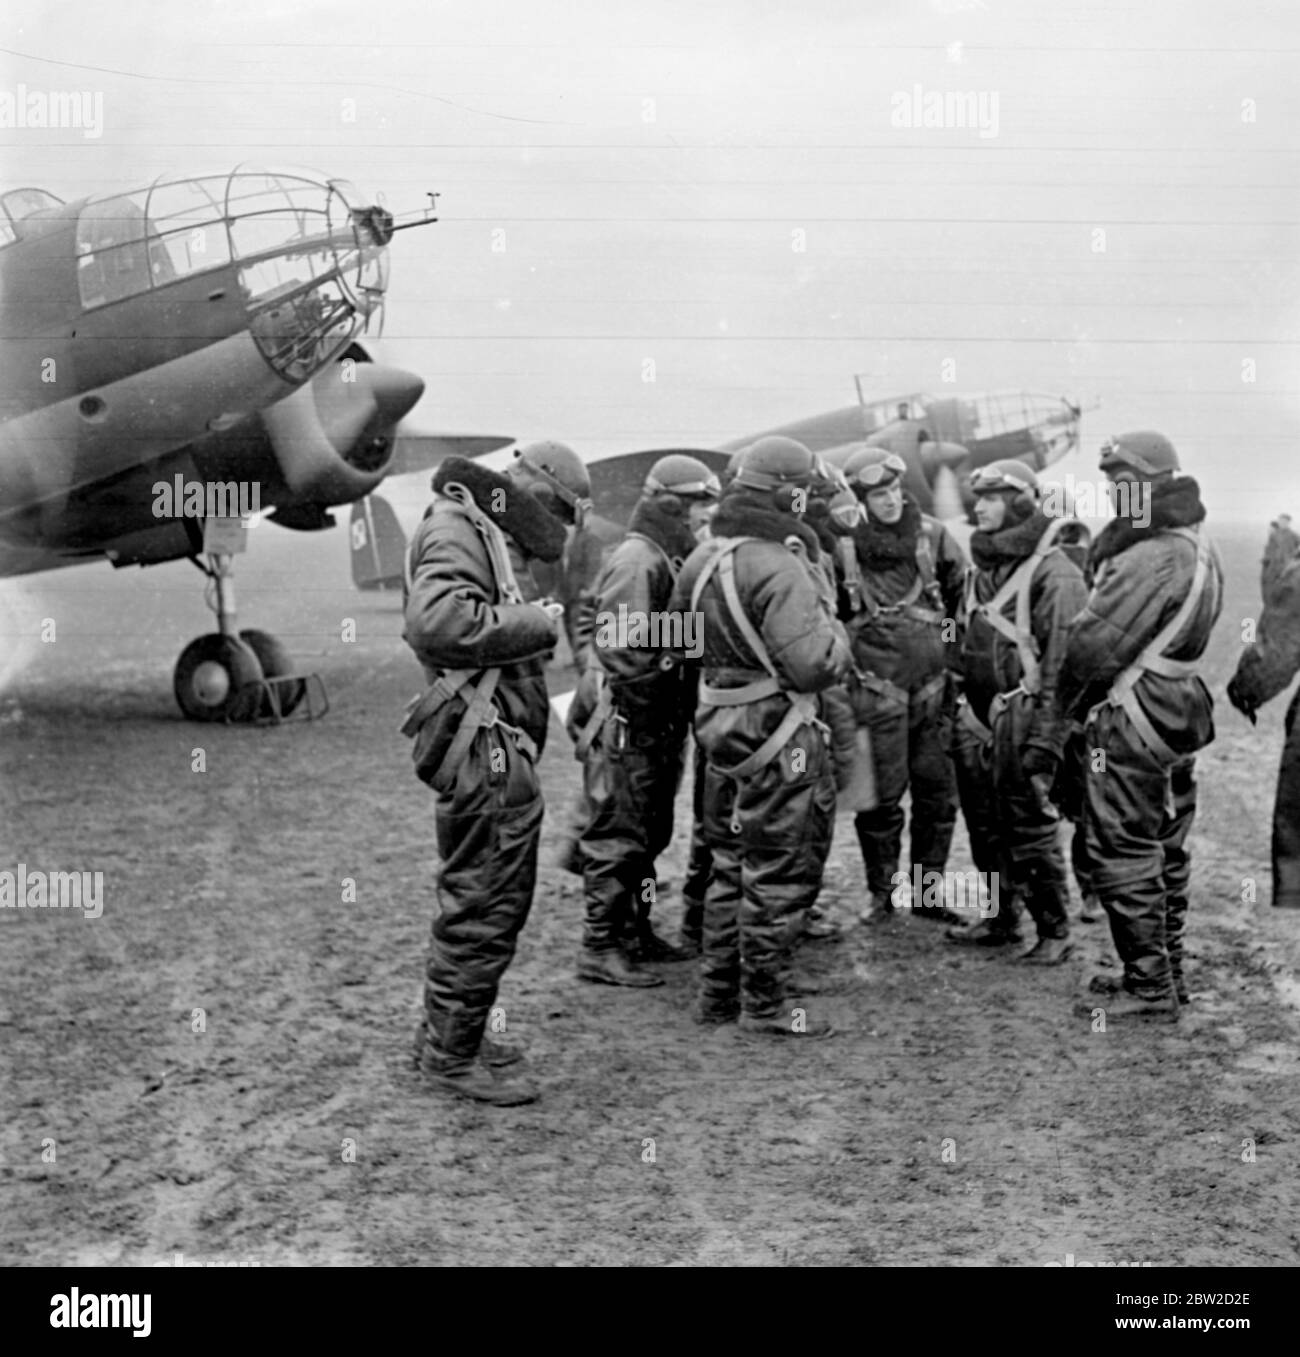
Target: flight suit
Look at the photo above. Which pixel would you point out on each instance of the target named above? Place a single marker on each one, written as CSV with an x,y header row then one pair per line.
x,y
1264,670
769,824
630,718
902,694
488,813
1006,711
1142,726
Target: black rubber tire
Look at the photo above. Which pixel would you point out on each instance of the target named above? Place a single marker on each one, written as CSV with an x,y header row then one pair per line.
x,y
275,661
200,693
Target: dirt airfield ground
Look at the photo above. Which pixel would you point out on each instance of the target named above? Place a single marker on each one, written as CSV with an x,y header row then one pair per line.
x,y
224,892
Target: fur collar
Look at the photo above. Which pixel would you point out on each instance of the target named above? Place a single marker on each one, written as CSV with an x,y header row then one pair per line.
x,y
667,531
748,513
1175,503
1012,543
883,544
513,509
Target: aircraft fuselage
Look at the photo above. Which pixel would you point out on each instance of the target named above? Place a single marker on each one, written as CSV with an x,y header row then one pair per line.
x,y
175,331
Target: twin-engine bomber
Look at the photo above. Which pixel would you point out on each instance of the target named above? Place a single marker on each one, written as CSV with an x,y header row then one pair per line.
x,y
204,333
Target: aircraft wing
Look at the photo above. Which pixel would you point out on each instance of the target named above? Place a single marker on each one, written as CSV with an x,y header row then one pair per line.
x,y
419,452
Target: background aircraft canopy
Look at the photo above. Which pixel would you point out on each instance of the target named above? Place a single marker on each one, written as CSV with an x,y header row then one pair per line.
x,y
18,205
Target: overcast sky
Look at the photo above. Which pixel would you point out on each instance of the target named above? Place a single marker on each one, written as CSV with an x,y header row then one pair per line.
x,y
650,166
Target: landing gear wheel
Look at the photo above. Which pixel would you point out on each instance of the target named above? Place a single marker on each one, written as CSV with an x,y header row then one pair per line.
x,y
210,673
275,662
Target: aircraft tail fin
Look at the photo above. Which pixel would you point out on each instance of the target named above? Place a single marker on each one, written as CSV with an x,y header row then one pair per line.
x,y
378,545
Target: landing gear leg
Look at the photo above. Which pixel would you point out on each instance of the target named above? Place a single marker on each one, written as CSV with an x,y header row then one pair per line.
x,y
212,669
240,676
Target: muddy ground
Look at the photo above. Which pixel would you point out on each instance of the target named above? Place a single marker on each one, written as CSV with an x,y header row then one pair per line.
x,y
224,892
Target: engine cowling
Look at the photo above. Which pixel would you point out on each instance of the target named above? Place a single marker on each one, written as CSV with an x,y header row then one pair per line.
x,y
332,437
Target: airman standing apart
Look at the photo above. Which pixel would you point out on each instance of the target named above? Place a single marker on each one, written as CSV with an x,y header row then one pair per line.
x,y
482,636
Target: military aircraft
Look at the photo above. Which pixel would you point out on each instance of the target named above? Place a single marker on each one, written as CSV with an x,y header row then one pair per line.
x,y
944,439
941,439
181,356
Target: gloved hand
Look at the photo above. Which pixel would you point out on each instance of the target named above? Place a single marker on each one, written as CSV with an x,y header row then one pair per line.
x,y
1039,762
1282,548
1239,700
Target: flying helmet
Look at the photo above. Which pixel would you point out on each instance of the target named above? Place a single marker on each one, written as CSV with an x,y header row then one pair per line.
x,y
1006,474
873,468
733,465
773,463
1143,450
557,478
681,475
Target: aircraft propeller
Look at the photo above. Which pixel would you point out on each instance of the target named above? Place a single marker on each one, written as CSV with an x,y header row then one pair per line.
x,y
941,463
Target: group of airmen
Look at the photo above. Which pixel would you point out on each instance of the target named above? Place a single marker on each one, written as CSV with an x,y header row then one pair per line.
x,y
843,640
